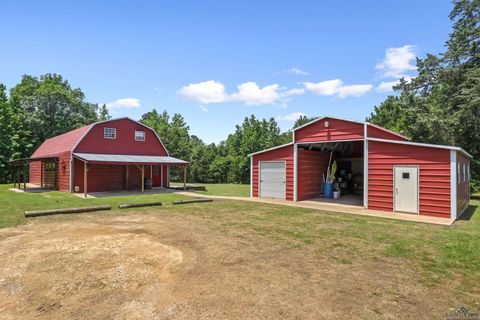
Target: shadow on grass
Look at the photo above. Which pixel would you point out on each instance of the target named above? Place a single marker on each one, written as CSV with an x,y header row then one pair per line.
x,y
467,215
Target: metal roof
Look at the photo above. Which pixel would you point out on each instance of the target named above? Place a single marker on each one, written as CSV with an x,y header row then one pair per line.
x,y
124,158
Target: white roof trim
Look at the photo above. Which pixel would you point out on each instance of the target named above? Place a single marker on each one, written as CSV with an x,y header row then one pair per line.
x,y
321,118
125,158
439,146
270,149
349,120
390,131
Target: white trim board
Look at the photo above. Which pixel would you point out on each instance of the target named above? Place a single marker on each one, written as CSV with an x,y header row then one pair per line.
x,y
295,173
270,149
453,184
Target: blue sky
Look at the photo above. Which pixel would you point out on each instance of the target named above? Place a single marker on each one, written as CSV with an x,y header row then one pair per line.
x,y
216,62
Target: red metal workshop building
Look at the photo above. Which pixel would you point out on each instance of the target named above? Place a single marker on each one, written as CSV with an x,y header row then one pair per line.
x,y
381,169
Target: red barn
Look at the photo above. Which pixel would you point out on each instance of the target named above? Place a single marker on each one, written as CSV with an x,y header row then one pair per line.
x,y
110,155
379,169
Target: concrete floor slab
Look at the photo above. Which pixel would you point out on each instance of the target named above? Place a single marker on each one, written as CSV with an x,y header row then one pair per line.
x,y
334,207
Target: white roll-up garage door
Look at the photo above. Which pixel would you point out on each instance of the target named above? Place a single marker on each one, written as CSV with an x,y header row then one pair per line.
x,y
272,179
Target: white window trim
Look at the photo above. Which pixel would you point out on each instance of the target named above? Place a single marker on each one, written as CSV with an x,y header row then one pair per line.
x,y
459,179
105,133
136,135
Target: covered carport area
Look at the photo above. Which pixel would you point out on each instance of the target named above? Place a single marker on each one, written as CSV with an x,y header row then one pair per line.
x,y
313,159
48,177
115,172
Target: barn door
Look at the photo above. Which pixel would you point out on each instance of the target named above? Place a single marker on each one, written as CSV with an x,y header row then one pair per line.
x,y
50,171
156,176
272,179
406,189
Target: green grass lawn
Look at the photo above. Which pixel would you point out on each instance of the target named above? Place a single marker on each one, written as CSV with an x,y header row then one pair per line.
x,y
13,204
222,189
441,255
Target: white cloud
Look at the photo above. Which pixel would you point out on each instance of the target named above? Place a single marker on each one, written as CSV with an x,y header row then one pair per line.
x,y
397,62
252,94
336,86
297,71
292,116
124,103
293,92
324,88
248,92
205,92
356,90
203,108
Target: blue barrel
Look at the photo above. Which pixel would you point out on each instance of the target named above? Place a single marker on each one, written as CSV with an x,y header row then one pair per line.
x,y
327,190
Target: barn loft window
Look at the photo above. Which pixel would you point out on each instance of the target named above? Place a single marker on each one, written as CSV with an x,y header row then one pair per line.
x,y
110,133
464,173
139,135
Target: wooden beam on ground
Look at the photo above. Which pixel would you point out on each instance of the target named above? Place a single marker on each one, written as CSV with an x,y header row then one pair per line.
x,y
65,211
191,201
138,205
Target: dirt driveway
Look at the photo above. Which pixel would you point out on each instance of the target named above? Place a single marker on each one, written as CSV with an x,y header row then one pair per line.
x,y
159,266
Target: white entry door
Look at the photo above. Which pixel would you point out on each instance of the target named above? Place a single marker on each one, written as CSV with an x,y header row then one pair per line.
x,y
406,189
272,179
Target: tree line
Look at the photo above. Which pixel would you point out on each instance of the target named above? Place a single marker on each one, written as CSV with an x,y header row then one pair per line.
x,y
42,107
442,104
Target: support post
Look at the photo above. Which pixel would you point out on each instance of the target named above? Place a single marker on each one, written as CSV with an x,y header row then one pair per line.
x,y
41,174
126,182
13,176
151,173
185,178
161,175
25,177
85,177
19,177
143,178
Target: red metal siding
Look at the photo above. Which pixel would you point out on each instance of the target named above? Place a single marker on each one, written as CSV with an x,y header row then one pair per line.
x,y
311,165
463,188
64,172
63,178
337,130
94,141
35,175
434,166
284,153
380,133
108,177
